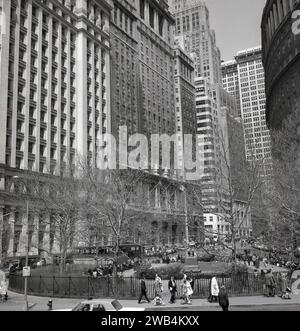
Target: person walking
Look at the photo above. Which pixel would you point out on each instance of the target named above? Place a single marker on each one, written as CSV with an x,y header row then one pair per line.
x,y
214,290
191,280
158,288
172,289
270,283
223,298
143,290
186,290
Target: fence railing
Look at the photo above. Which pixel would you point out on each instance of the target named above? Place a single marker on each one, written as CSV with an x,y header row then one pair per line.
x,y
129,288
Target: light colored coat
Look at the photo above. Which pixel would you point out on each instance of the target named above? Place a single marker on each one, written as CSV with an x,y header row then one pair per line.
x,y
214,287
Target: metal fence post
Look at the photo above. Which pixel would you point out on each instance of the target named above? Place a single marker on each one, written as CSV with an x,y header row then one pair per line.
x,y
70,286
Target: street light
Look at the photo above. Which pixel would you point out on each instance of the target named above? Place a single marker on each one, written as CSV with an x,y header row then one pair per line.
x,y
183,189
26,248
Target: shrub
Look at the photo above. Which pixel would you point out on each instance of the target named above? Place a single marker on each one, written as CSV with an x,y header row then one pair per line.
x,y
237,269
164,272
206,258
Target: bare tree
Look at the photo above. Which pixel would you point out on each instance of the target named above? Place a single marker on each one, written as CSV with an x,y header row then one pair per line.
x,y
236,184
114,198
60,199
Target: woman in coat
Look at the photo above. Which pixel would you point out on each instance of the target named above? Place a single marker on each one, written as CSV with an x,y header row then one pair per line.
x,y
213,290
158,288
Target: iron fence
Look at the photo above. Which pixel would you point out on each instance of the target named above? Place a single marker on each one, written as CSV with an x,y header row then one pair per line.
x,y
129,288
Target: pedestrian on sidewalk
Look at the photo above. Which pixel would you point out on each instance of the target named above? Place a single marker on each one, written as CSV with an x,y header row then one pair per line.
x,y
143,290
223,298
158,288
173,290
270,283
187,291
191,280
213,290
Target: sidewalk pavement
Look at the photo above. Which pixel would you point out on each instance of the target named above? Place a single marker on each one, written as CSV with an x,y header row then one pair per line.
x,y
16,303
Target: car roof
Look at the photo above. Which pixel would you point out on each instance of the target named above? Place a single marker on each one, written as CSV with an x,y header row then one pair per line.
x,y
97,301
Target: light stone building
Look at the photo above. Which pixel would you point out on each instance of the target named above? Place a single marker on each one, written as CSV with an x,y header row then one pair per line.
x,y
54,98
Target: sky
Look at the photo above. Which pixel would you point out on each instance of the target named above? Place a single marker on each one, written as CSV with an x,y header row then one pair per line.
x,y
237,24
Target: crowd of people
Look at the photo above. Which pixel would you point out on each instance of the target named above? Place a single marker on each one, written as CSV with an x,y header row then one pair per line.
x,y
107,270
187,290
266,260
217,294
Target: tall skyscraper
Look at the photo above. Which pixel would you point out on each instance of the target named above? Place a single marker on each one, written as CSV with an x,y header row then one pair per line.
x,y
185,103
193,25
198,39
125,67
143,66
246,75
231,82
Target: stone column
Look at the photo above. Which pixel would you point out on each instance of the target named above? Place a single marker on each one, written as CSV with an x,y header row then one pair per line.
x,y
275,14
82,96
157,197
34,246
1,230
11,233
269,29
280,11
46,238
23,237
272,22
156,24
291,4
285,8
2,184
56,243
147,20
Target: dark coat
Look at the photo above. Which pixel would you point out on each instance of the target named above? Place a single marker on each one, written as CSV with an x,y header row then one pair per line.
x,y
174,288
223,299
143,286
270,280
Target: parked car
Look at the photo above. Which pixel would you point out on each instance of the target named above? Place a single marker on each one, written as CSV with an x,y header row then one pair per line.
x,y
101,305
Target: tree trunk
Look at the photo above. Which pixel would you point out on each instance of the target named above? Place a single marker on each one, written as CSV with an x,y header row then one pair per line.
x,y
63,258
115,266
234,260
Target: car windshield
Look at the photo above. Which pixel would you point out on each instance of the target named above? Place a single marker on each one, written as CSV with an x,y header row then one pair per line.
x,y
82,307
116,304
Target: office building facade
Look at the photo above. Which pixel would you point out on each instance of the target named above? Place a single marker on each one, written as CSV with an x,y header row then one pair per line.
x,y
193,25
54,99
185,104
248,71
64,66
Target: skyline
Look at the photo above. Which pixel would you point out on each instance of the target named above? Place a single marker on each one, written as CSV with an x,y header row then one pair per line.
x,y
244,19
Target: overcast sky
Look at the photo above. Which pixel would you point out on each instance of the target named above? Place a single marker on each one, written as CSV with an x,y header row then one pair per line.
x,y
237,24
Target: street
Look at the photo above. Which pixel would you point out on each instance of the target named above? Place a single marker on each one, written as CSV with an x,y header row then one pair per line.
x,y
292,307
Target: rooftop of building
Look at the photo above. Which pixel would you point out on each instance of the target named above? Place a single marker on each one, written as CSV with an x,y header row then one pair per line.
x,y
252,50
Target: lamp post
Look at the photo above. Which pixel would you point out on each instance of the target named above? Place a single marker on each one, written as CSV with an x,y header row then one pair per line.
x,y
26,250
183,189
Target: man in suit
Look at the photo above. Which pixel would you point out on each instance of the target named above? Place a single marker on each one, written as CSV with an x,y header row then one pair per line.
x,y
143,290
173,289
